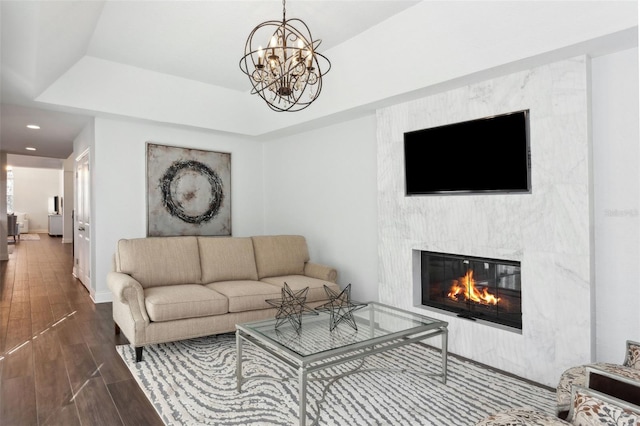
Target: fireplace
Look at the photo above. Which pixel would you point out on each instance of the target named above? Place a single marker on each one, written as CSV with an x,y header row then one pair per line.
x,y
473,287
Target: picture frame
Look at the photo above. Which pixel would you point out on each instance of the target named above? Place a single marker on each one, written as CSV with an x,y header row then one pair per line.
x,y
188,191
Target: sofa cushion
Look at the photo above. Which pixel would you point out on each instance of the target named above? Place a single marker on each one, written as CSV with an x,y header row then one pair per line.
x,y
299,282
280,255
176,302
159,261
227,258
246,295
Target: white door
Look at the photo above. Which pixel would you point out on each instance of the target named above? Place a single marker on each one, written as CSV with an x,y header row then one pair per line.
x,y
82,221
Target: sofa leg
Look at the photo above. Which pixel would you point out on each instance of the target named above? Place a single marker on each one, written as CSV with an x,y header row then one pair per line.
x,y
116,328
138,354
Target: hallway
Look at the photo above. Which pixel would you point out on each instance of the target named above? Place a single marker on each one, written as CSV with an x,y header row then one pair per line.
x,y
58,364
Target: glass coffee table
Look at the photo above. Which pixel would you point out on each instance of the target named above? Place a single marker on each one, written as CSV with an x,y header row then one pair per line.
x,y
314,347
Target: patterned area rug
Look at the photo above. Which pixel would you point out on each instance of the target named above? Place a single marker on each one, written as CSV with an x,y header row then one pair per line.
x,y
30,237
192,382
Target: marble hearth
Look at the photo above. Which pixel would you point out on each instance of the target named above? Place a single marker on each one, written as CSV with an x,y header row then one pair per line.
x,y
547,231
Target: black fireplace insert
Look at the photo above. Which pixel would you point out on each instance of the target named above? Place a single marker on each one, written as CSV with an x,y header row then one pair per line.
x,y
473,287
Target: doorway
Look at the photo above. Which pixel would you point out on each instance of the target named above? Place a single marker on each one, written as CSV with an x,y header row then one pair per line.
x,y
82,221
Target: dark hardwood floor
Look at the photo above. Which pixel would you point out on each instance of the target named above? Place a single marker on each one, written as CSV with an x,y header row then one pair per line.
x,y
58,363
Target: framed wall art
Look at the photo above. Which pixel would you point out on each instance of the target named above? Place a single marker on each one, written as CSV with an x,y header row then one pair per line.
x,y
188,191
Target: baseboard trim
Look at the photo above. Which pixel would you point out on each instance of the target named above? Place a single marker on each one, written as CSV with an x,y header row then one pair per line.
x,y
102,297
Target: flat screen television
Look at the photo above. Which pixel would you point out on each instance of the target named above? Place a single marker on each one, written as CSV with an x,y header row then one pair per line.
x,y
54,205
487,155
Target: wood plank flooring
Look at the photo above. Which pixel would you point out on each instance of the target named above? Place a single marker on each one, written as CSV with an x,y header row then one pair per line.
x,y
58,364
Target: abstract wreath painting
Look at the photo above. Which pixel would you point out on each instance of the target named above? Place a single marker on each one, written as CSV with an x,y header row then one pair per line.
x,y
188,191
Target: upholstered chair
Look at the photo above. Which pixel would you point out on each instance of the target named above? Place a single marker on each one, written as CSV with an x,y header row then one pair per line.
x,y
604,399
630,369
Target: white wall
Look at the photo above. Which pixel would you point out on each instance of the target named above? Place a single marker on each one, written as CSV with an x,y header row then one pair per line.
x,y
119,184
321,184
616,202
4,254
32,190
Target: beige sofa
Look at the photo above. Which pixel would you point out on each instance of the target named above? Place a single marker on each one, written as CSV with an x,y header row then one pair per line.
x,y
174,288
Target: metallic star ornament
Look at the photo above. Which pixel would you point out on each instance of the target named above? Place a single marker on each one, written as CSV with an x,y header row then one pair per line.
x,y
340,307
291,307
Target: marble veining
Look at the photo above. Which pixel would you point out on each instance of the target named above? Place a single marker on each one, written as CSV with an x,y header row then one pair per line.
x,y
547,231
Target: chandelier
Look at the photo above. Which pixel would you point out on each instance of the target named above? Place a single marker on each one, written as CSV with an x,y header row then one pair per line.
x,y
288,72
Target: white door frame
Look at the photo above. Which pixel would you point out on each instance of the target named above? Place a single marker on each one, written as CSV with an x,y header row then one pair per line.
x,y
82,220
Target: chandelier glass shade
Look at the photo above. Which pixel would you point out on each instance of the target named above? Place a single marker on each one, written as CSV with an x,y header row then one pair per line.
x,y
287,72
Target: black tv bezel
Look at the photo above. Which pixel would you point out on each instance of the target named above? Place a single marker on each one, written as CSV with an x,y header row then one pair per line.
x,y
527,190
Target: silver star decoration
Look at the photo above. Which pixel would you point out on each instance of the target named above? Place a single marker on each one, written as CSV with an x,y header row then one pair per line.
x,y
340,307
291,307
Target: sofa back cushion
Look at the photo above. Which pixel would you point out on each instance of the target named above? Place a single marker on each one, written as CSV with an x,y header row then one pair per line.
x,y
227,259
280,255
159,261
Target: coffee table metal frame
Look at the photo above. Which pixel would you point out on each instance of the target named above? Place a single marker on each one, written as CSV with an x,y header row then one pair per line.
x,y
305,365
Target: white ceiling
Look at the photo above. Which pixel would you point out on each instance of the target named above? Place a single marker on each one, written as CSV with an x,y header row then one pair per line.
x,y
195,40
45,42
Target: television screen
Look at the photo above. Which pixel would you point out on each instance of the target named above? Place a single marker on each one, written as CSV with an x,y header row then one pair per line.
x,y
484,155
54,205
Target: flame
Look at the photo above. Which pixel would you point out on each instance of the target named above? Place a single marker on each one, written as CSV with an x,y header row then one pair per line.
x,y
467,287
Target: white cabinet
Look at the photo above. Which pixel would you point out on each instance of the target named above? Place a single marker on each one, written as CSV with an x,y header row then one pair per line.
x,y
55,225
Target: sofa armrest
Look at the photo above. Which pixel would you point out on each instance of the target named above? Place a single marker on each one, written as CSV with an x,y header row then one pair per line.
x,y
128,291
321,272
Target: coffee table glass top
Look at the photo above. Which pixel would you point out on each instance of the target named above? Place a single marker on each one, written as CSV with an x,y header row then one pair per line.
x,y
374,321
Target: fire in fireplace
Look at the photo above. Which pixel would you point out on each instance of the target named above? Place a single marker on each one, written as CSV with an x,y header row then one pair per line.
x,y
473,287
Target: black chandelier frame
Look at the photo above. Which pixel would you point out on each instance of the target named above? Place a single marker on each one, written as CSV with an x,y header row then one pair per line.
x,y
287,73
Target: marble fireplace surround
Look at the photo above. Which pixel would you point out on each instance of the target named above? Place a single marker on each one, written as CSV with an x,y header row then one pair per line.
x,y
548,231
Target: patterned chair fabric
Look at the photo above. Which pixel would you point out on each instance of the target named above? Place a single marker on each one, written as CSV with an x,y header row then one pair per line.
x,y
586,406
633,355
577,375
590,407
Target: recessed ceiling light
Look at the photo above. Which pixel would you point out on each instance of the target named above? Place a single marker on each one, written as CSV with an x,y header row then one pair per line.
x,y
33,126
30,148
